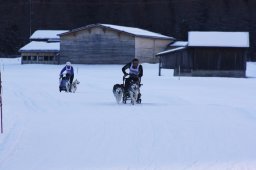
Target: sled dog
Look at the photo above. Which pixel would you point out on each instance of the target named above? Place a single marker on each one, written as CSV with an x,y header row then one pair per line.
x,y
74,86
118,91
134,91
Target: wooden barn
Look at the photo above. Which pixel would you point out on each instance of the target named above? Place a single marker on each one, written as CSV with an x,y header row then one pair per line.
x,y
175,57
110,44
44,48
217,54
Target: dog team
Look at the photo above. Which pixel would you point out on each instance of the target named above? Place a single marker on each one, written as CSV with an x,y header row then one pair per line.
x,y
129,90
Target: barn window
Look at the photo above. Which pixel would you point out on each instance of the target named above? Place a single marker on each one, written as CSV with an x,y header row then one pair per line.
x,y
51,58
24,58
33,58
46,58
40,58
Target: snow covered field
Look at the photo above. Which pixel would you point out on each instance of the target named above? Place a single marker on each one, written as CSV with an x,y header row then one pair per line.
x,y
186,124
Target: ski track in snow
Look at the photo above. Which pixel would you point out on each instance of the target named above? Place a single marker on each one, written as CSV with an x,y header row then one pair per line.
x,y
186,124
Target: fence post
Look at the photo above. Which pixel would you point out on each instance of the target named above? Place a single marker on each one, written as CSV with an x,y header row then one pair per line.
x,y
179,72
159,66
1,104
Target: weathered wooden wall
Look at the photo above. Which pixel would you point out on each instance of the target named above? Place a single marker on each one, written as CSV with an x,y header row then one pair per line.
x,y
147,48
208,62
178,60
218,58
97,46
222,62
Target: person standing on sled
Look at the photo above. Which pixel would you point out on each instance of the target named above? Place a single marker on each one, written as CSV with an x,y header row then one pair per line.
x,y
135,73
69,70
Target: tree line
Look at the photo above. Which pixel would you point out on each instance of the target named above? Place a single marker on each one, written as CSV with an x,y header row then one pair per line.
x,y
170,17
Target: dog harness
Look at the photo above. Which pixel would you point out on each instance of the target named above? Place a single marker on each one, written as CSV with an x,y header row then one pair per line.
x,y
134,71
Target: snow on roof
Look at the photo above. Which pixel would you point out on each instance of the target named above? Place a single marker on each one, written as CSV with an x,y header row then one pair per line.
x,y
136,31
179,44
41,46
130,30
218,39
47,34
170,51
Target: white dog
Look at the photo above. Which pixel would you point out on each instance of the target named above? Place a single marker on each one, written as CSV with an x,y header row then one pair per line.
x,y
74,86
118,91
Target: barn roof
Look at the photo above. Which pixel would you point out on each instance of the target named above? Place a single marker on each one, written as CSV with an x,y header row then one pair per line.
x,y
170,51
130,30
51,35
179,44
36,46
218,39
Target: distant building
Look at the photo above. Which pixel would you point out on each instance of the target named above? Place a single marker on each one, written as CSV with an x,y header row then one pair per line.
x,y
221,54
44,48
47,35
110,44
175,57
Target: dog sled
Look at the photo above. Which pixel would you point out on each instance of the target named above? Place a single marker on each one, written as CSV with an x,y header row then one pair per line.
x,y
66,86
131,93
64,83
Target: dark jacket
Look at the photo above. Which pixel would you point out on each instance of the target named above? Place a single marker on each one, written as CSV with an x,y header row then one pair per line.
x,y
127,66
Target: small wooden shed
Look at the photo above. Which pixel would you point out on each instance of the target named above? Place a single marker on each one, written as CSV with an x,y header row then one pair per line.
x,y
175,57
40,53
111,44
220,54
44,48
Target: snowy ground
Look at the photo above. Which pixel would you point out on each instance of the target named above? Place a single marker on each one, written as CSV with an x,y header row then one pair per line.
x,y
186,124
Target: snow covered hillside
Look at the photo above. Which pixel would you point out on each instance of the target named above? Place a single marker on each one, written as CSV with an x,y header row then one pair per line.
x,y
187,124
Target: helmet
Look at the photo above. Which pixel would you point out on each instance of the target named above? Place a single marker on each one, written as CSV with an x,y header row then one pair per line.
x,y
68,63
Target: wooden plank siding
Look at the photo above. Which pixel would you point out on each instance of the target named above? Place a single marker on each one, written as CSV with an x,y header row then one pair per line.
x,y
219,59
97,46
206,62
222,62
147,48
178,60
